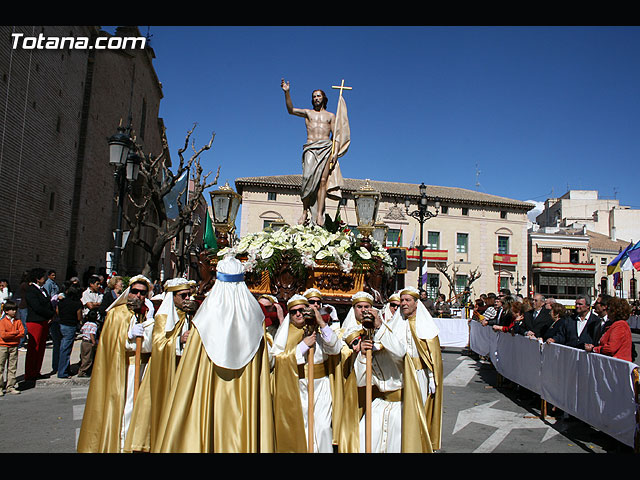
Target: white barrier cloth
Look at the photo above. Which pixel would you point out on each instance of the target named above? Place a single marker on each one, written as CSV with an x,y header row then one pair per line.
x,y
454,332
595,388
483,339
518,358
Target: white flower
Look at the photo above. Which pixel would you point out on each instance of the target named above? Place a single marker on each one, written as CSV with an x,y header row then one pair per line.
x,y
363,253
323,254
266,252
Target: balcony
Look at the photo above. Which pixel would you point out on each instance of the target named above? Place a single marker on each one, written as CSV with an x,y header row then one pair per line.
x,y
505,259
563,267
433,255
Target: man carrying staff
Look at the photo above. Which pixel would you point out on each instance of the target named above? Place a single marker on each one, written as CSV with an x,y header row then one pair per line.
x,y
321,176
109,402
422,376
387,359
290,361
170,333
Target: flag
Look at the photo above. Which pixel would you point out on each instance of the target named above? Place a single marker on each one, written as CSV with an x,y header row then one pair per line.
x,y
634,256
616,265
413,239
399,242
179,191
341,130
209,238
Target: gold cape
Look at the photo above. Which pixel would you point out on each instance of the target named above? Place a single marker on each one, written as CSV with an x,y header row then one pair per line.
x,y
102,420
288,418
422,423
213,409
155,385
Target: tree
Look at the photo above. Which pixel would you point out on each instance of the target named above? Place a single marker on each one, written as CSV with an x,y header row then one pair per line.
x,y
158,183
473,275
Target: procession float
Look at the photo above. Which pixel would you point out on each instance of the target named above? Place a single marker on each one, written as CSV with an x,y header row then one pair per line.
x,y
283,260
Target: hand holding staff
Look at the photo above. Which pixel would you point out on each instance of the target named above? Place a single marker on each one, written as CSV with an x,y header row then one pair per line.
x,y
136,305
367,345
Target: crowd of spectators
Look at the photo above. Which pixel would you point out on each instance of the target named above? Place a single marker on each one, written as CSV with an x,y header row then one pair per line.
x,y
44,311
601,327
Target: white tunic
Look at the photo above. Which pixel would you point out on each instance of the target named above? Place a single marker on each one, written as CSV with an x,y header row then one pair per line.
x,y
130,346
386,416
327,343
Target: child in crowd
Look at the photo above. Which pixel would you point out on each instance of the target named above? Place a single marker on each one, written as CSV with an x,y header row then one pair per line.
x,y
11,331
89,343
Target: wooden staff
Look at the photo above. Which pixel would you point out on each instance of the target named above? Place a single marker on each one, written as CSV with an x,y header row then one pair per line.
x,y
136,379
310,398
311,327
368,325
367,422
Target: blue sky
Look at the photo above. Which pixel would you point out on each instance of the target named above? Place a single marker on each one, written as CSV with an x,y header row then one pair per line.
x,y
520,112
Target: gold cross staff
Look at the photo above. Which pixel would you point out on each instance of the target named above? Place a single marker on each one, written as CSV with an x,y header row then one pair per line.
x,y
340,87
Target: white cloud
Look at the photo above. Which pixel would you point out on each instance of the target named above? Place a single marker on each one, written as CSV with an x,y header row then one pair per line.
x,y
534,212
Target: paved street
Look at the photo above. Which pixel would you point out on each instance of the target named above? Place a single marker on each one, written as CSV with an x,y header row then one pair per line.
x,y
479,415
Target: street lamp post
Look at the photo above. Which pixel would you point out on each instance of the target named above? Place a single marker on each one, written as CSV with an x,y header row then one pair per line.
x,y
422,215
126,163
367,202
225,203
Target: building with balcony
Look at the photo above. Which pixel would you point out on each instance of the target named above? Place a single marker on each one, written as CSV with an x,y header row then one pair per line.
x,y
561,265
473,231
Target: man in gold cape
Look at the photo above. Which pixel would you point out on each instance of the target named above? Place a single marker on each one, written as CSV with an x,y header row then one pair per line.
x,y
169,331
220,399
354,394
387,363
110,398
289,357
423,377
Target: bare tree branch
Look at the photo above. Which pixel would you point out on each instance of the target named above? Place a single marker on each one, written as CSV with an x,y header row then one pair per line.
x,y
156,181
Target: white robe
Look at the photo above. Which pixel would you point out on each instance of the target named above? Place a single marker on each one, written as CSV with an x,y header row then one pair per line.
x,y
327,343
130,346
386,369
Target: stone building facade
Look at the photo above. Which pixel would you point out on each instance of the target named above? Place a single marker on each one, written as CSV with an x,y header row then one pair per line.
x,y
58,107
473,230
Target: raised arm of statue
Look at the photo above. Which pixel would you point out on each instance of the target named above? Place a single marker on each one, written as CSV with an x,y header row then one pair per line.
x,y
300,112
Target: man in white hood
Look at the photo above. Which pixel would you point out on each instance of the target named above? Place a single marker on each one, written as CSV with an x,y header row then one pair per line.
x,y
220,399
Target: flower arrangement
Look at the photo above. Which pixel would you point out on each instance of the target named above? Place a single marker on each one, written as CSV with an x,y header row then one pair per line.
x,y
307,246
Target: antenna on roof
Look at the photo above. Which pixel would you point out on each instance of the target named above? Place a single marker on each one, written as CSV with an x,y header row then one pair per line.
x,y
615,192
477,177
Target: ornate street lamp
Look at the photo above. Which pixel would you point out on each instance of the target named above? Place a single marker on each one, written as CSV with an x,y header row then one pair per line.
x,y
126,163
225,203
422,215
120,144
380,233
367,202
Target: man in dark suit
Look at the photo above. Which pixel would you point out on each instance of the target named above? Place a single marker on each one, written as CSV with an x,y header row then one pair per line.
x,y
578,329
600,307
40,313
536,321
